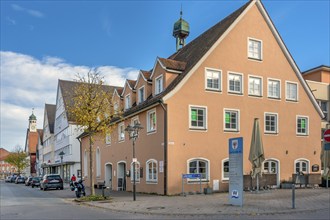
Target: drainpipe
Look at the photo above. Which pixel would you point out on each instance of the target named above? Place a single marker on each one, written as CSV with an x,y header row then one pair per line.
x,y
164,106
80,158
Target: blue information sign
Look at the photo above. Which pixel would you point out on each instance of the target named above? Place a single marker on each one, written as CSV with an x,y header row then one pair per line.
x,y
326,146
236,171
191,176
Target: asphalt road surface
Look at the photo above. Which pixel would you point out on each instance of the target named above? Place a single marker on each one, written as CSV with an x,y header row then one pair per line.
x,y
18,201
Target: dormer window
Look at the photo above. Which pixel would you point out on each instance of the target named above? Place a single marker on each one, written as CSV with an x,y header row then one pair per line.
x,y
159,85
141,94
127,101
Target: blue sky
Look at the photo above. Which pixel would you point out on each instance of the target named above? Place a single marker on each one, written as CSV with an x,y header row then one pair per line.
x,y
42,41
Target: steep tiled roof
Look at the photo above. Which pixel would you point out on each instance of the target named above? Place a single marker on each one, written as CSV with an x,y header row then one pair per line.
x,y
192,53
131,83
50,110
146,74
173,64
67,88
3,154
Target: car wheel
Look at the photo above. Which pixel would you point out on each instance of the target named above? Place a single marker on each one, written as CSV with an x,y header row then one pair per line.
x,y
32,186
61,188
44,189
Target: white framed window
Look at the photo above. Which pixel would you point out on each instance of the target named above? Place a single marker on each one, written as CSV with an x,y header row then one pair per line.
x,y
137,172
141,94
235,83
271,123
197,117
302,125
225,169
108,138
98,162
213,79
291,91
231,120
121,132
255,86
274,88
254,49
159,84
151,171
199,166
127,101
324,108
116,107
270,167
135,120
301,165
151,121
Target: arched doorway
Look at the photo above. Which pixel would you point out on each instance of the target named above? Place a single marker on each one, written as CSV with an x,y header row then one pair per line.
x,y
272,166
108,175
121,176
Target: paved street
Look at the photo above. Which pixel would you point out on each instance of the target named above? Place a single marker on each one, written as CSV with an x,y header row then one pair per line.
x,y
21,202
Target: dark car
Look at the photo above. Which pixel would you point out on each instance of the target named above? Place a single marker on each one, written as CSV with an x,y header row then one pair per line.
x,y
20,179
28,181
35,181
13,178
51,181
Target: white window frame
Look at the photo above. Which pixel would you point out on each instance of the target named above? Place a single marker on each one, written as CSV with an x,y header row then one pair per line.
x,y
207,173
159,84
276,123
269,162
141,99
306,124
237,119
108,138
121,132
149,128
204,108
288,91
135,120
279,89
324,110
137,172
223,169
251,54
98,162
260,88
240,75
300,161
116,107
154,178
127,101
213,71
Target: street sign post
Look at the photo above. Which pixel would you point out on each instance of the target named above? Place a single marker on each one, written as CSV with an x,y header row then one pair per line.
x,y
326,135
236,171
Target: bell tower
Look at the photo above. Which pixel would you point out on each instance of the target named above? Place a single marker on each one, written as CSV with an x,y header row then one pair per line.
x,y
180,32
32,122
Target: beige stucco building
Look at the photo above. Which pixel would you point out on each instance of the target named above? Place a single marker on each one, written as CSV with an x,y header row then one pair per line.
x,y
211,90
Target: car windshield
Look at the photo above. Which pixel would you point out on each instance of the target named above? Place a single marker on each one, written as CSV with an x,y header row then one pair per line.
x,y
36,178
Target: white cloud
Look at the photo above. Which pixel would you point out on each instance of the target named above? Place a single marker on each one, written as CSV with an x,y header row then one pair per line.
x,y
27,82
31,12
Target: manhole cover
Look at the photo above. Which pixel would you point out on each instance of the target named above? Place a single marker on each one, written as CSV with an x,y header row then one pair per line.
x,y
156,208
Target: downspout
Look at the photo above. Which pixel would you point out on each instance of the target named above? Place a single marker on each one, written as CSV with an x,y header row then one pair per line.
x,y
80,158
164,106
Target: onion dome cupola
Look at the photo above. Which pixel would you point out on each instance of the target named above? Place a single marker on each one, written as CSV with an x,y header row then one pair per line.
x,y
33,122
180,32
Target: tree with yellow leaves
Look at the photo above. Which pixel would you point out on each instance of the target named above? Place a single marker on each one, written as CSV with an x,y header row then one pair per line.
x,y
92,110
18,158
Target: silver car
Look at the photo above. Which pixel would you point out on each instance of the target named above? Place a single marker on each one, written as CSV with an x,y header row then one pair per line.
x,y
51,181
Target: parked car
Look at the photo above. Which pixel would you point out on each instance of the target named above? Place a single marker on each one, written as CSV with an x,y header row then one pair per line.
x,y
20,179
35,181
8,179
28,181
13,178
51,181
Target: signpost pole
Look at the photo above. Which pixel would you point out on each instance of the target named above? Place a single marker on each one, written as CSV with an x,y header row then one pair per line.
x,y
326,138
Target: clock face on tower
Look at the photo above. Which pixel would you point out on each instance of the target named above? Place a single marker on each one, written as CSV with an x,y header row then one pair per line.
x,y
33,127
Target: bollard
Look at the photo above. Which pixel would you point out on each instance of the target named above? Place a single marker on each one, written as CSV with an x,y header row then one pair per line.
x,y
293,195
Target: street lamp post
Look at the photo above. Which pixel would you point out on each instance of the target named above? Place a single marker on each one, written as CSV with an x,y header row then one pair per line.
x,y
61,155
133,132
